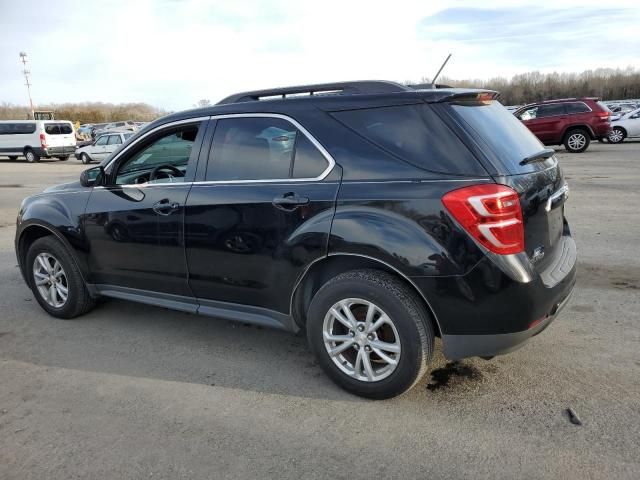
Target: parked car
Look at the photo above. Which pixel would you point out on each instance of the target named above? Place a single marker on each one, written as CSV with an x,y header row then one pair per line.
x,y
104,146
35,139
573,122
96,128
118,126
372,215
627,126
84,132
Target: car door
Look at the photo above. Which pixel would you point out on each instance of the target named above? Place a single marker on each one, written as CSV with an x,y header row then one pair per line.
x,y
259,214
98,151
133,223
633,124
113,142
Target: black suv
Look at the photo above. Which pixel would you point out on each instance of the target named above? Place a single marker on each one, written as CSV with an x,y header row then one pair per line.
x,y
370,214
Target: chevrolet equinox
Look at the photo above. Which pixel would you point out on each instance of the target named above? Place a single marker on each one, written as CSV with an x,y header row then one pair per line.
x,y
370,215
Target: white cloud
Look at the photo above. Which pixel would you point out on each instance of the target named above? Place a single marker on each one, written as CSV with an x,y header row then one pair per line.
x,y
172,53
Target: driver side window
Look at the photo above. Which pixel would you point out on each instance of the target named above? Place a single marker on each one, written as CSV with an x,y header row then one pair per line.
x,y
164,160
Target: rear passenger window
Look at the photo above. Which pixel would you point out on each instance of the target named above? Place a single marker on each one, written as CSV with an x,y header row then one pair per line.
x,y
415,134
550,110
261,149
578,107
52,129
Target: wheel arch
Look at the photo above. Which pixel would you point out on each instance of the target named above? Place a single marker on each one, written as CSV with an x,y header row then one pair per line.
x,y
325,268
624,130
31,232
578,126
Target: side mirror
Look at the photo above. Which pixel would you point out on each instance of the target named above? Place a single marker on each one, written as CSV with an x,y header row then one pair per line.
x,y
92,176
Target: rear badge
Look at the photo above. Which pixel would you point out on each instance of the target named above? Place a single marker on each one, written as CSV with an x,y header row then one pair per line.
x,y
538,254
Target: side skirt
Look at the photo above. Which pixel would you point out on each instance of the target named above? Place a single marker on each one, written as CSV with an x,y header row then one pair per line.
x,y
211,308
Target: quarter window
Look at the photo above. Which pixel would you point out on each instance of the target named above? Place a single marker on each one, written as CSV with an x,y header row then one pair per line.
x,y
261,149
577,107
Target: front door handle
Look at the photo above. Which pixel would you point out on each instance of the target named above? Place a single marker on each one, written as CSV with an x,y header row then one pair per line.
x,y
165,207
290,201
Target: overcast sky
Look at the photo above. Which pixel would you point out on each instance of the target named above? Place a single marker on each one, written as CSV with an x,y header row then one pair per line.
x,y
171,53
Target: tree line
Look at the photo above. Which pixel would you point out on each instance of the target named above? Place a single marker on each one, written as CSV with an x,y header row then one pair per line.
x,y
606,83
87,112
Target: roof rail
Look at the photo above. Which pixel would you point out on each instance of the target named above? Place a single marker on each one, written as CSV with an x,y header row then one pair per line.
x,y
339,88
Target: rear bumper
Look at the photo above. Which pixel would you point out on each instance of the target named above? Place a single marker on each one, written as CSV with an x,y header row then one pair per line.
x,y
456,347
56,151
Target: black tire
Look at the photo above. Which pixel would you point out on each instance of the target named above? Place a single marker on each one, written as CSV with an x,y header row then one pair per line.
x,y
576,140
13,157
617,135
84,158
78,300
31,156
408,314
64,158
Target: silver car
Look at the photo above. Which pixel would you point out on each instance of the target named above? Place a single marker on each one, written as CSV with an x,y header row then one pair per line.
x,y
104,146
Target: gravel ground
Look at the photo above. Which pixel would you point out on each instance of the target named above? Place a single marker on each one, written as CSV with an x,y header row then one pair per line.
x,y
133,391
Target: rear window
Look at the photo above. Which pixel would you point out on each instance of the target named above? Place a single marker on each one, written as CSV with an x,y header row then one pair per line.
x,y
58,129
415,134
506,137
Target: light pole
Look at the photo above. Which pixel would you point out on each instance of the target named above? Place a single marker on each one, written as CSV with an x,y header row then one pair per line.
x,y
26,72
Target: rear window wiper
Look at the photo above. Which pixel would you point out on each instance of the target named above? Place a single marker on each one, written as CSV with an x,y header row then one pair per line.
x,y
536,157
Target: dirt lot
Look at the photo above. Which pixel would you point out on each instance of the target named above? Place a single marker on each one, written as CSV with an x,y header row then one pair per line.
x,y
132,391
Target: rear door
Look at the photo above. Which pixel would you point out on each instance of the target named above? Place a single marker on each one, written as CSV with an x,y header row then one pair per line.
x,y
59,137
113,142
540,184
260,213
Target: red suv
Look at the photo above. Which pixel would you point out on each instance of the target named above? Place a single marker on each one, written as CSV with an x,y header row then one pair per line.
x,y
573,122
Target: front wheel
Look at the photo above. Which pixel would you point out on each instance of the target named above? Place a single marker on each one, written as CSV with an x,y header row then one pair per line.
x,y
55,279
370,333
64,158
13,157
577,141
617,135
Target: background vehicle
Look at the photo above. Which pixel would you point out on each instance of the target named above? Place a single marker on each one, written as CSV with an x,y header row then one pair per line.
x,y
375,218
627,126
104,146
573,122
37,139
119,126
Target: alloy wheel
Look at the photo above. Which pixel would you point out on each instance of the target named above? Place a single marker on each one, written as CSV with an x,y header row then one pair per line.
x,y
51,280
576,141
361,339
616,136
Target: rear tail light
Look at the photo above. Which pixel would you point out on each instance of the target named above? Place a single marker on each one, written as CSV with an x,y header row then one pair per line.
x,y
43,141
491,213
604,115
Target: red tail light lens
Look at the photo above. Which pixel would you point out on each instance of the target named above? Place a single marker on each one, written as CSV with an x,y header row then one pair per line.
x,y
43,141
604,115
491,214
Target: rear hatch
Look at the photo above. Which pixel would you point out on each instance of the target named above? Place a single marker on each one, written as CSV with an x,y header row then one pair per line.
x,y
516,158
60,137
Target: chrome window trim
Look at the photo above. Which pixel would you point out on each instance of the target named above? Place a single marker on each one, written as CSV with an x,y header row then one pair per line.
x,y
327,156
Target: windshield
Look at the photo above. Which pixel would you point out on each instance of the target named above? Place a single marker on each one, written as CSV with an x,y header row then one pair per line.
x,y
506,137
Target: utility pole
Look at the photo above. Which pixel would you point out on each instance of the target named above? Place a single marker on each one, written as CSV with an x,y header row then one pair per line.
x,y
26,72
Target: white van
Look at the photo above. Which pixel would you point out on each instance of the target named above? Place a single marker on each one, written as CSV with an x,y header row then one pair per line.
x,y
37,139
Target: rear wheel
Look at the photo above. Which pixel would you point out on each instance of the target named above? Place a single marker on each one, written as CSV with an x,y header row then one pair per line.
x,y
55,279
576,141
84,158
370,333
617,135
31,156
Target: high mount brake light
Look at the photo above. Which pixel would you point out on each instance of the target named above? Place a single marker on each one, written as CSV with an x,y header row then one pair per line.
x,y
491,213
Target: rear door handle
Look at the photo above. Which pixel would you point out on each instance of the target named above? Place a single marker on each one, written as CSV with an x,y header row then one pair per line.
x,y
289,201
165,207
